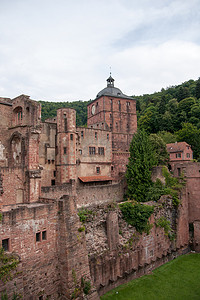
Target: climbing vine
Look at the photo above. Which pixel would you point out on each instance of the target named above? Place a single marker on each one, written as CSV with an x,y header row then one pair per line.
x,y
8,265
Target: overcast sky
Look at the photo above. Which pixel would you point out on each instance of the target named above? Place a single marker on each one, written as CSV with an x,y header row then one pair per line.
x,y
62,50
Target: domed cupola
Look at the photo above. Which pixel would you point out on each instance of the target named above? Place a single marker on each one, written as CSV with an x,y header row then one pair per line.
x,y
110,81
110,90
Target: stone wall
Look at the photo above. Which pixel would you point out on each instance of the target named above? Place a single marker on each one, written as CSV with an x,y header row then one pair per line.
x,y
38,269
98,194
118,253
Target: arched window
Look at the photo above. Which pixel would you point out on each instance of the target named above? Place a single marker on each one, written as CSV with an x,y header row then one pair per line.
x,y
17,118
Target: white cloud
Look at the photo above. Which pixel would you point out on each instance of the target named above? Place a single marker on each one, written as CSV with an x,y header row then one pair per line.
x,y
63,50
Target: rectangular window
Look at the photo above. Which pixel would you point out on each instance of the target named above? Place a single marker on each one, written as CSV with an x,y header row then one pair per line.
x,y
95,135
101,150
37,237
44,235
54,173
71,137
65,124
82,134
108,136
80,151
65,150
98,170
178,155
188,155
53,182
92,150
179,171
5,244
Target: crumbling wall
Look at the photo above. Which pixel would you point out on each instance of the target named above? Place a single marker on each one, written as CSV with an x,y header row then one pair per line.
x,y
118,253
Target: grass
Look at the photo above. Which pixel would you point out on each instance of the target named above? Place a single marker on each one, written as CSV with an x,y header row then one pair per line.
x,y
176,280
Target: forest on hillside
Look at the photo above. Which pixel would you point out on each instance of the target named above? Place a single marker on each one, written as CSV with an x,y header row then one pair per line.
x,y
173,113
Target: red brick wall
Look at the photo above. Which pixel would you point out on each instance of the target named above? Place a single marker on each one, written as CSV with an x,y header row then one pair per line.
x,y
39,259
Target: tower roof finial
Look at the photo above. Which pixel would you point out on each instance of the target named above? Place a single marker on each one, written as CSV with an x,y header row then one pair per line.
x,y
110,80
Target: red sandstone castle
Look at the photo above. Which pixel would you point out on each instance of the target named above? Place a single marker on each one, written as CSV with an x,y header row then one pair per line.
x,y
50,169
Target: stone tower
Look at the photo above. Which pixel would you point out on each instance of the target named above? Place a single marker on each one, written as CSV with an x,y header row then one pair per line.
x,y
114,111
66,145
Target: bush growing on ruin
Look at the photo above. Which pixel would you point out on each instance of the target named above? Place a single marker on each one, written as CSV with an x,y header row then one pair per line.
x,y
137,215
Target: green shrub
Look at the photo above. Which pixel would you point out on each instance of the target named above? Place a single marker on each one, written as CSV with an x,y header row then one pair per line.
x,y
84,214
86,285
164,223
81,229
137,215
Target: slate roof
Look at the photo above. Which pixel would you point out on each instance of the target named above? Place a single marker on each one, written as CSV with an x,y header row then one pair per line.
x,y
177,147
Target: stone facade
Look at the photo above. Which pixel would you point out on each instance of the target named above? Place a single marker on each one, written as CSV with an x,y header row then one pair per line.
x,y
50,170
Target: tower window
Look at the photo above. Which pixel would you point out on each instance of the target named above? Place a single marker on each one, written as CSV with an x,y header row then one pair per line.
x,y
98,170
101,150
71,137
108,136
65,123
92,150
65,150
95,135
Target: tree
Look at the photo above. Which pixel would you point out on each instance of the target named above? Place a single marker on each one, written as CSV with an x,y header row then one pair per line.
x,y
197,89
159,146
142,159
191,135
167,137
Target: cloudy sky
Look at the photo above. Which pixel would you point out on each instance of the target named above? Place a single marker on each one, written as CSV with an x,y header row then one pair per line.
x,y
62,50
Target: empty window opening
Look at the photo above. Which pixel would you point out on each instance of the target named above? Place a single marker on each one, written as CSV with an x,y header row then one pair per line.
x,y
54,173
191,230
65,123
179,171
151,252
5,244
95,135
65,150
108,136
92,150
40,297
44,235
112,168
49,161
37,237
53,182
71,137
98,170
